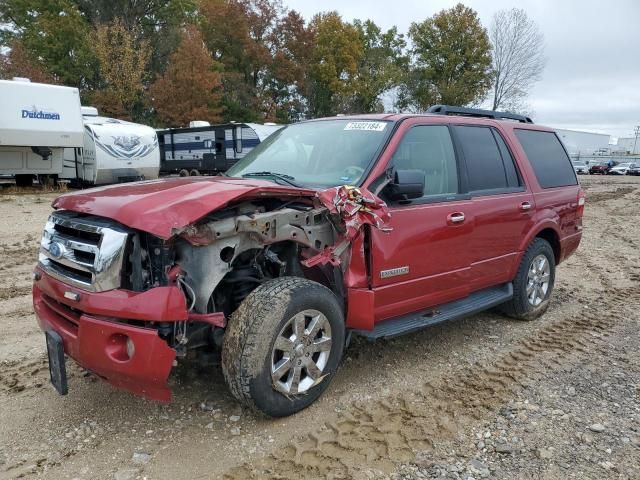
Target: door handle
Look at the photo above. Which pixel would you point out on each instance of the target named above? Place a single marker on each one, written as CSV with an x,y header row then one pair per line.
x,y
524,206
456,217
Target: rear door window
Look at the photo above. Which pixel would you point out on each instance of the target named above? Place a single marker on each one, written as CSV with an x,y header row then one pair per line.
x,y
547,157
490,167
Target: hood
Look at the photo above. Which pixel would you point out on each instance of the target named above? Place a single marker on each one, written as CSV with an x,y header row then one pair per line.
x,y
161,206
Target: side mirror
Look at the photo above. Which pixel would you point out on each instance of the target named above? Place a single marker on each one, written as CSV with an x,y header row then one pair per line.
x,y
406,185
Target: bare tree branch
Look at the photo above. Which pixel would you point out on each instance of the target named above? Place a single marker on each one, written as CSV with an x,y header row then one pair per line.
x,y
518,58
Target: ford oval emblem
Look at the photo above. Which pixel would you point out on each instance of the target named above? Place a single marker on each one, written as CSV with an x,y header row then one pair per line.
x,y
56,249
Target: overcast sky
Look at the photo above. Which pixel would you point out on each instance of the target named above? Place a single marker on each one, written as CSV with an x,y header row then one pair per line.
x,y
592,76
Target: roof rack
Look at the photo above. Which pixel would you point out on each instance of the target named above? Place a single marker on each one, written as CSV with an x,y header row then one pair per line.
x,y
476,112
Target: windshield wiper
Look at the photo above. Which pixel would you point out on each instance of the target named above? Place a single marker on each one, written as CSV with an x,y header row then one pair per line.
x,y
281,176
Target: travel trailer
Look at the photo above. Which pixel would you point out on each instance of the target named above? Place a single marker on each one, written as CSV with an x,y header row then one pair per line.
x,y
37,122
113,151
204,149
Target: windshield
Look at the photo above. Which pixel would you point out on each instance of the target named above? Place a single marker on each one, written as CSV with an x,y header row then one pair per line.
x,y
622,165
323,153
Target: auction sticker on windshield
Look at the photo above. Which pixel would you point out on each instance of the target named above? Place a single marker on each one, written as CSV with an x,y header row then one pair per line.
x,y
367,126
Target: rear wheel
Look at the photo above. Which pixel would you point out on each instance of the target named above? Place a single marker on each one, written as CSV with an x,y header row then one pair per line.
x,y
534,282
195,173
283,345
184,172
24,180
48,180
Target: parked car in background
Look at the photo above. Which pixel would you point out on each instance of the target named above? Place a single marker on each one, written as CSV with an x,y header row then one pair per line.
x,y
580,167
635,170
601,168
622,168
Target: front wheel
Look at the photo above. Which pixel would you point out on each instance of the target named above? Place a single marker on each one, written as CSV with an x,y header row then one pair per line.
x,y
283,345
533,283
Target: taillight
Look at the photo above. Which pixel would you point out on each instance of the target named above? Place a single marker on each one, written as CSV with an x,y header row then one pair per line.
x,y
581,201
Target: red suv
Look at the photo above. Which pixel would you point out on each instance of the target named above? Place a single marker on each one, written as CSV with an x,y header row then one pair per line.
x,y
374,225
602,168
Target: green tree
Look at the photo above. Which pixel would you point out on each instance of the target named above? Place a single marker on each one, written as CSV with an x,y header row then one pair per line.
x,y
191,87
451,60
380,67
285,79
334,65
123,62
240,35
157,22
55,34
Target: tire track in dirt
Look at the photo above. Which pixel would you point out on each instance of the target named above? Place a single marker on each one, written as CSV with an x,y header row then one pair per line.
x,y
19,375
19,253
13,291
381,434
597,197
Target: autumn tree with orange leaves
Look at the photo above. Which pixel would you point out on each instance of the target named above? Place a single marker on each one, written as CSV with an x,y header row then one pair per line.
x,y
20,63
191,87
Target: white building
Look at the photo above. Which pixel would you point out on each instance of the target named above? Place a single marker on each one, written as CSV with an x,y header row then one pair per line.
x,y
584,143
627,144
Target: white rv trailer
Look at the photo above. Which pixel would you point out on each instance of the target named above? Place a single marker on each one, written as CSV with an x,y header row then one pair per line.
x,y
209,149
37,122
114,151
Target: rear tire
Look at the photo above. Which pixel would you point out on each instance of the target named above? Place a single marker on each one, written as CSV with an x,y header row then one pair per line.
x,y
283,345
24,180
46,180
533,284
195,173
184,172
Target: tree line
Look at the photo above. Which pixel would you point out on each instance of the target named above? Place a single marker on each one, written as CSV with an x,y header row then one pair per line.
x,y
166,62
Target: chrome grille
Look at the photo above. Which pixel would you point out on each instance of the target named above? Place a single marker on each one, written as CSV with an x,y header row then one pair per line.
x,y
86,252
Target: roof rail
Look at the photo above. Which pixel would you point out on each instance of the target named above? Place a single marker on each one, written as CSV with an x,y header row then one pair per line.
x,y
476,112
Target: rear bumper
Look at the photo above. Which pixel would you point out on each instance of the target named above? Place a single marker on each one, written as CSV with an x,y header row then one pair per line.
x,y
97,341
569,244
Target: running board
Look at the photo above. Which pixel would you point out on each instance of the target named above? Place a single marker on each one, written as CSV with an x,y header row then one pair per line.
x,y
474,303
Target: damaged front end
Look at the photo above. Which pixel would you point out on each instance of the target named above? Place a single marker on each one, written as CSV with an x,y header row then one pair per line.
x,y
127,308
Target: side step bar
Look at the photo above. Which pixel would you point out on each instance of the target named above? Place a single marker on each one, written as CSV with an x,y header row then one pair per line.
x,y
474,303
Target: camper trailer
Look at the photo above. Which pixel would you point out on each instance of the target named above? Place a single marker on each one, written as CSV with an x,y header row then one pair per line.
x,y
37,122
113,151
204,149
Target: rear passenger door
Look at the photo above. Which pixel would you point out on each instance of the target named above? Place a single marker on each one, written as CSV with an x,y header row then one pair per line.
x,y
501,204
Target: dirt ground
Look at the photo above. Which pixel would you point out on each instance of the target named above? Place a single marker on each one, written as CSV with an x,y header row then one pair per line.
x,y
484,397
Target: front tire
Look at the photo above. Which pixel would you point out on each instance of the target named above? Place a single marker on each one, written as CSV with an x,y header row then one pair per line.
x,y
533,283
283,345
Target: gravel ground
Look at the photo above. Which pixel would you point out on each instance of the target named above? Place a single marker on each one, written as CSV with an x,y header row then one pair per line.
x,y
484,397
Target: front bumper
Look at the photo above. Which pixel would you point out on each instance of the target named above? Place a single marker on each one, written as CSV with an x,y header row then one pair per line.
x,y
95,337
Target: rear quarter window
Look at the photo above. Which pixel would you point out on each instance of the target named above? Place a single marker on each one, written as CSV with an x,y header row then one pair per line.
x,y
547,157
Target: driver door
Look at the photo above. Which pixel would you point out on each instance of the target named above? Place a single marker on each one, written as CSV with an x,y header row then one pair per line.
x,y
424,261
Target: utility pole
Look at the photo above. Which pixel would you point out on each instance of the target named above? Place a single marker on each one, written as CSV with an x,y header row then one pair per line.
x,y
637,132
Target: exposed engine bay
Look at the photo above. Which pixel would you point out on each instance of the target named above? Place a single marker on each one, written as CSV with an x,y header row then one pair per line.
x,y
228,254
